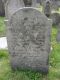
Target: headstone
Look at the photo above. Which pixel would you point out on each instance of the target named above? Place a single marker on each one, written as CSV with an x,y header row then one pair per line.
x,y
58,3
39,1
55,18
2,10
55,4
47,8
12,5
28,37
27,3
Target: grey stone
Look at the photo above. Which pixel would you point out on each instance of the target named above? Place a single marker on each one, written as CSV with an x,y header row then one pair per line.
x,y
12,5
47,8
2,10
28,37
39,1
55,4
27,2
55,19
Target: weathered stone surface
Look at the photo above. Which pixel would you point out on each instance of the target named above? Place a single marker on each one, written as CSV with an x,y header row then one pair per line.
x,y
2,10
55,18
27,2
47,8
55,4
12,5
28,39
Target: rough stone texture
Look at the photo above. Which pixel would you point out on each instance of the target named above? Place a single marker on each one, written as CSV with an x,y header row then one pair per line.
x,y
2,11
55,19
28,37
27,3
12,5
55,4
47,8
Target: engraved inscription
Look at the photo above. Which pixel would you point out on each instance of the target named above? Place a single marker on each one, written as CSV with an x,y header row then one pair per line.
x,y
29,35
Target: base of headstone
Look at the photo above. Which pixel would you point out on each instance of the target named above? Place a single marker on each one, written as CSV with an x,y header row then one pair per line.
x,y
43,69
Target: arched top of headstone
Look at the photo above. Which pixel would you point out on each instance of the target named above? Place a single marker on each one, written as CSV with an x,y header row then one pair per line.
x,y
29,14
29,9
12,5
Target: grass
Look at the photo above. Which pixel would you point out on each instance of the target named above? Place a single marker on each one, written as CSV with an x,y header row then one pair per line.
x,y
54,72
6,73
2,27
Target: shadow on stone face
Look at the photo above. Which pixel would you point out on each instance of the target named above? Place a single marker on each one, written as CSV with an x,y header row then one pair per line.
x,y
27,2
2,11
47,8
